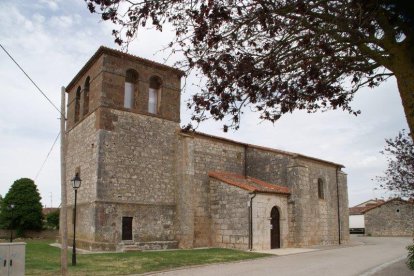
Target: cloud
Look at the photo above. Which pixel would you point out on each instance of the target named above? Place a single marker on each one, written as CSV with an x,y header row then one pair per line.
x,y
52,40
51,4
61,22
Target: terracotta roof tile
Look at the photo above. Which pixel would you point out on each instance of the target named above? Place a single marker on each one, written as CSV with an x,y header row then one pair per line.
x,y
249,183
358,210
386,202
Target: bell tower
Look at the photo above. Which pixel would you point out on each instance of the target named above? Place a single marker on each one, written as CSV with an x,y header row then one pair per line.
x,y
122,123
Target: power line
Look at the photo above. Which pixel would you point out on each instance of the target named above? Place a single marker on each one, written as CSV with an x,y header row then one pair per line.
x,y
32,81
47,157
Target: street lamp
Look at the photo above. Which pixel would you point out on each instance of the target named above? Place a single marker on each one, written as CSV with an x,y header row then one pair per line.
x,y
11,208
76,183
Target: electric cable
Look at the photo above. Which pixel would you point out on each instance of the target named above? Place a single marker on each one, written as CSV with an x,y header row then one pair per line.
x,y
47,157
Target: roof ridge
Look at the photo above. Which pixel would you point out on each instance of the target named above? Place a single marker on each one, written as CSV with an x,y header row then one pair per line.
x,y
265,187
293,154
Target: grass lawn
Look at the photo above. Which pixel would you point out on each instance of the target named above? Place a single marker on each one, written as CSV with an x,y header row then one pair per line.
x,y
43,259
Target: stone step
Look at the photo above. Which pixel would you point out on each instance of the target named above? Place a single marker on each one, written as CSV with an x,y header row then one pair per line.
x,y
131,248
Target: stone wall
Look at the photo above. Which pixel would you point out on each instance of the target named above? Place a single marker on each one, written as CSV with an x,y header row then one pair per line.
x,y
343,207
210,155
82,157
316,219
262,207
107,85
95,87
312,220
395,218
150,223
229,216
114,72
185,191
268,166
85,223
137,159
31,234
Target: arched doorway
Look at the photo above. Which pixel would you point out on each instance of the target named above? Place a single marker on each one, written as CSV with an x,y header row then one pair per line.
x,y
275,231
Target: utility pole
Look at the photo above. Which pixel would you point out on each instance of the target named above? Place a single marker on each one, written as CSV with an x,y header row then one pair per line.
x,y
63,211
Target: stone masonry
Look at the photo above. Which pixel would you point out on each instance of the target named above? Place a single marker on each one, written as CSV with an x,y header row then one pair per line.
x,y
148,185
392,218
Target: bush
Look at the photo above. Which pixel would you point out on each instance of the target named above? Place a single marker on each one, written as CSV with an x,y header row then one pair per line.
x,y
410,261
52,220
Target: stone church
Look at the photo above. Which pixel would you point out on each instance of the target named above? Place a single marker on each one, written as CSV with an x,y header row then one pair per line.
x,y
146,184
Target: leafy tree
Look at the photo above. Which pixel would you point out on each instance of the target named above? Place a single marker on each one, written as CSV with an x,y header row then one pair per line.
x,y
276,56
399,176
27,211
52,220
410,257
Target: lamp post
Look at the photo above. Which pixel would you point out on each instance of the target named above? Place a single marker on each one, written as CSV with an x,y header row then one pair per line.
x,y
76,183
11,208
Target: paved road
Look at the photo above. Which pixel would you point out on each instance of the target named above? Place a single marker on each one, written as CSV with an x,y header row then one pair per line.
x,y
369,258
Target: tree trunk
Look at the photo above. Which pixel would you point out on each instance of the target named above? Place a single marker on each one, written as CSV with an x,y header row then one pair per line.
x,y
405,81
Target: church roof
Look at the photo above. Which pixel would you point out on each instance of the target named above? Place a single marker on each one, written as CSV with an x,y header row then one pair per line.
x,y
248,183
292,154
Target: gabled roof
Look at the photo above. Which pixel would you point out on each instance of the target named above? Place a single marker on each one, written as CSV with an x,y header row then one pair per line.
x,y
370,202
358,210
362,207
291,154
116,53
386,202
248,183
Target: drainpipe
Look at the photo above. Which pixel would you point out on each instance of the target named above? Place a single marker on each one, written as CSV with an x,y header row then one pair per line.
x,y
253,195
339,215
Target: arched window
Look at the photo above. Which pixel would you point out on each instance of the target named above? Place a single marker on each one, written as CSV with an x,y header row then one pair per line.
x,y
131,80
86,97
77,104
321,194
154,94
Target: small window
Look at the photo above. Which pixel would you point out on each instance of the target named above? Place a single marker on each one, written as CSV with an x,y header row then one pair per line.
x,y
154,94
77,104
131,80
321,194
126,228
86,97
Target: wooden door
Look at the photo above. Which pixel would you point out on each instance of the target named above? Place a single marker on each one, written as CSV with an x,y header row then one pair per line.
x,y
275,231
127,228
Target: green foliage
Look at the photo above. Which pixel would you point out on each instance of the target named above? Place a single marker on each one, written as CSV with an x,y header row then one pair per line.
x,y
52,220
410,260
399,176
27,211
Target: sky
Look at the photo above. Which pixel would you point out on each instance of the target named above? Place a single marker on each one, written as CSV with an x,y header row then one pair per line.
x,y
53,39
